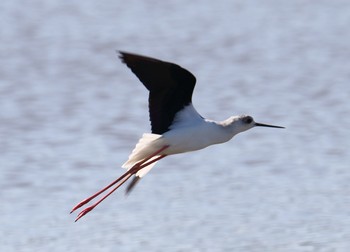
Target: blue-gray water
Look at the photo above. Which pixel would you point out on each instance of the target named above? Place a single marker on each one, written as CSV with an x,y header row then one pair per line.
x,y
70,113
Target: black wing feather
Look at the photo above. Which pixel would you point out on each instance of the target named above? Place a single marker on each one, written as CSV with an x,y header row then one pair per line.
x,y
170,88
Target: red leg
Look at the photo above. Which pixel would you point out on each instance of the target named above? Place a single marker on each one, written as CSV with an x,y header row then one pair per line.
x,y
122,178
88,209
87,200
128,174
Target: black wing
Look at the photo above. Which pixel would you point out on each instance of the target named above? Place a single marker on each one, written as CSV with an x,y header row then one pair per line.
x,y
170,88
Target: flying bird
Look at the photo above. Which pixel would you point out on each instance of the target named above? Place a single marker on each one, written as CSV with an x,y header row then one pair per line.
x,y
176,125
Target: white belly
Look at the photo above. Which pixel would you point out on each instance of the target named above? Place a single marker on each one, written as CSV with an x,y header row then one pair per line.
x,y
193,138
189,132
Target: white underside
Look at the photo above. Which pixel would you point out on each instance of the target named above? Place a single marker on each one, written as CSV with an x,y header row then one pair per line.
x,y
146,146
189,132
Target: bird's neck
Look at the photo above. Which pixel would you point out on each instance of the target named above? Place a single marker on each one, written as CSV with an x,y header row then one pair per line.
x,y
220,132
231,126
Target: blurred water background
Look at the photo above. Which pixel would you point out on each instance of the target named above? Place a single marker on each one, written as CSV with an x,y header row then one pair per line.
x,y
71,112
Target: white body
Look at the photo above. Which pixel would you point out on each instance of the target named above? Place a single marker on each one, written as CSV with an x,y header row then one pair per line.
x,y
189,132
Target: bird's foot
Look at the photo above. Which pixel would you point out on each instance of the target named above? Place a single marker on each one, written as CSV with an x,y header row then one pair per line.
x,y
85,211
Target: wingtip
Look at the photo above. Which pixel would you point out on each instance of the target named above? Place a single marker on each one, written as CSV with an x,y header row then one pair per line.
x,y
123,55
120,54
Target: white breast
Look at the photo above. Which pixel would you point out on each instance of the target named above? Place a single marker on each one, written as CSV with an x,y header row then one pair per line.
x,y
190,132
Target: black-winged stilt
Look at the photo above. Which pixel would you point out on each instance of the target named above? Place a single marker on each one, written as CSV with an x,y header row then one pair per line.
x,y
176,125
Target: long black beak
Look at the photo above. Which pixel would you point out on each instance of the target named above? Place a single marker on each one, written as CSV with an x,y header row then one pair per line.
x,y
267,125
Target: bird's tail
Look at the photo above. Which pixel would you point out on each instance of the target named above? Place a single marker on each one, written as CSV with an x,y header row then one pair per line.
x,y
145,146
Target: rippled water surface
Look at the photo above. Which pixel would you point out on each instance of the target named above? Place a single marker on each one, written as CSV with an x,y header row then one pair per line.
x,y
70,113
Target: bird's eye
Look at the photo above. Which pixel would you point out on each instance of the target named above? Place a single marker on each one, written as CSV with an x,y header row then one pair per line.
x,y
248,120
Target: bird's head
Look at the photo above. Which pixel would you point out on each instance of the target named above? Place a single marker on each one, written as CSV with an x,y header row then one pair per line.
x,y
245,122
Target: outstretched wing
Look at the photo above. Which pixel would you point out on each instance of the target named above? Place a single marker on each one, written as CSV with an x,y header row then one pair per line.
x,y
170,88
